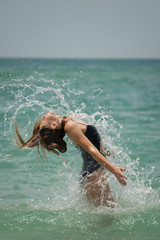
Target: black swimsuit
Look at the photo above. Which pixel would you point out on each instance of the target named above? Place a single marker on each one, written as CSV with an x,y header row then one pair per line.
x,y
89,163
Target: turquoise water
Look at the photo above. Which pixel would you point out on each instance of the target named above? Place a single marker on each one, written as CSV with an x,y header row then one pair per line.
x,y
44,200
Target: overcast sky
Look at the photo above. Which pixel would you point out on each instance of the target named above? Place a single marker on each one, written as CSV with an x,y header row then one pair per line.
x,y
80,28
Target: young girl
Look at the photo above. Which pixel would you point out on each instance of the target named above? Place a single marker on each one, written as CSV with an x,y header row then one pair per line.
x,y
49,132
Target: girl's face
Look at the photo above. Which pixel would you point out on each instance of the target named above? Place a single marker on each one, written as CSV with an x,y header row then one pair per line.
x,y
49,119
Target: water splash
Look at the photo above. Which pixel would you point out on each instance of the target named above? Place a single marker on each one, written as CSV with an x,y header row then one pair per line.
x,y
29,99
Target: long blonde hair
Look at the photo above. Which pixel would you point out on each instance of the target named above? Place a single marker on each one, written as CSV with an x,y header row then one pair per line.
x,y
46,137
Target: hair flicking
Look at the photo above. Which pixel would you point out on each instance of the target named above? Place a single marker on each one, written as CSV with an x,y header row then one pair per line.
x,y
47,138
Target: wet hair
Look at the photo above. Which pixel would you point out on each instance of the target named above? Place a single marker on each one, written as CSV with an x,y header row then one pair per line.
x,y
52,139
47,138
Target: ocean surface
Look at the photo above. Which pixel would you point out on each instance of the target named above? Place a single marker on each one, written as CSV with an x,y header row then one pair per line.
x,y
43,200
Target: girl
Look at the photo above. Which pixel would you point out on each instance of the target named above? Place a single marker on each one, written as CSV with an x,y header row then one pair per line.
x,y
49,132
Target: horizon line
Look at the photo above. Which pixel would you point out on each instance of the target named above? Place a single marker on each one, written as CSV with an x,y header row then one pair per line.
x,y
81,58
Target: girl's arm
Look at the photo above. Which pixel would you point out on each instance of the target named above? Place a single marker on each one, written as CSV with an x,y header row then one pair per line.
x,y
75,133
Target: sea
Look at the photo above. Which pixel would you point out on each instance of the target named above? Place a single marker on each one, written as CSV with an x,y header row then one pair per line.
x,y
42,199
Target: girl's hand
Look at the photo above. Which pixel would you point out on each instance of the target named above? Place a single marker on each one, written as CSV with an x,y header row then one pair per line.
x,y
119,175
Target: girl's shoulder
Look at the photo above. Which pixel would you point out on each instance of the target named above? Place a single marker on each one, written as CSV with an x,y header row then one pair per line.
x,y
74,124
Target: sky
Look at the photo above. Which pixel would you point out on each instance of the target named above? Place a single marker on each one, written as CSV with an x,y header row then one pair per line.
x,y
80,28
